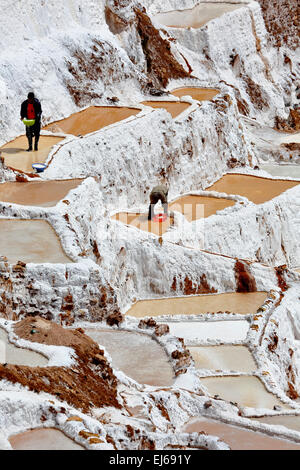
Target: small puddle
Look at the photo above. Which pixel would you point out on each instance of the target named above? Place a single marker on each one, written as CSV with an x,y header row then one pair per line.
x,y
137,355
43,439
173,107
195,17
199,94
289,171
233,302
290,422
226,331
37,193
256,189
30,241
191,206
247,391
16,157
224,357
238,438
91,119
11,354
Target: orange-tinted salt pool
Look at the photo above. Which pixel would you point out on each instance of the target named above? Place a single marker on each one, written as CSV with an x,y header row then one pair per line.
x,y
173,107
16,157
191,206
91,119
37,193
256,189
235,302
199,94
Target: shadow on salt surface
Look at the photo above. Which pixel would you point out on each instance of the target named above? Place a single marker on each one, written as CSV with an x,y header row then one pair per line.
x,y
229,331
43,439
30,241
254,188
233,302
137,355
11,354
246,391
223,357
16,157
91,119
238,438
37,193
289,171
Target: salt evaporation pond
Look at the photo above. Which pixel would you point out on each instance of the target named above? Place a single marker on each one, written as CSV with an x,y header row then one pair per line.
x,y
225,331
43,439
91,119
288,421
254,188
193,207
11,354
16,157
137,355
246,391
233,302
238,438
289,171
195,17
30,241
37,193
173,107
198,94
223,357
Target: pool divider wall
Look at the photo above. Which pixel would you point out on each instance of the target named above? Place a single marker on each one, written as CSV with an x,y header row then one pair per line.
x,y
273,338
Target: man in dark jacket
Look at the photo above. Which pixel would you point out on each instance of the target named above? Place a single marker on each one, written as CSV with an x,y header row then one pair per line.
x,y
158,193
31,109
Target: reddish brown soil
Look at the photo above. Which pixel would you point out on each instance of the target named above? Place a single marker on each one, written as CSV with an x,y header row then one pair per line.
x,y
245,282
89,383
282,21
161,64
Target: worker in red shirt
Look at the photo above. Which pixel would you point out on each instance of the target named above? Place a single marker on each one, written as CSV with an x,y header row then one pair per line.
x,y
31,109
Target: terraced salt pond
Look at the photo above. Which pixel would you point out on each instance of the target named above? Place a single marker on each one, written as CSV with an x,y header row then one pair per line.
x,y
288,421
227,330
198,94
91,119
195,17
11,354
256,189
16,157
137,355
193,207
233,302
43,439
37,193
173,107
224,357
289,171
238,438
246,391
30,241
